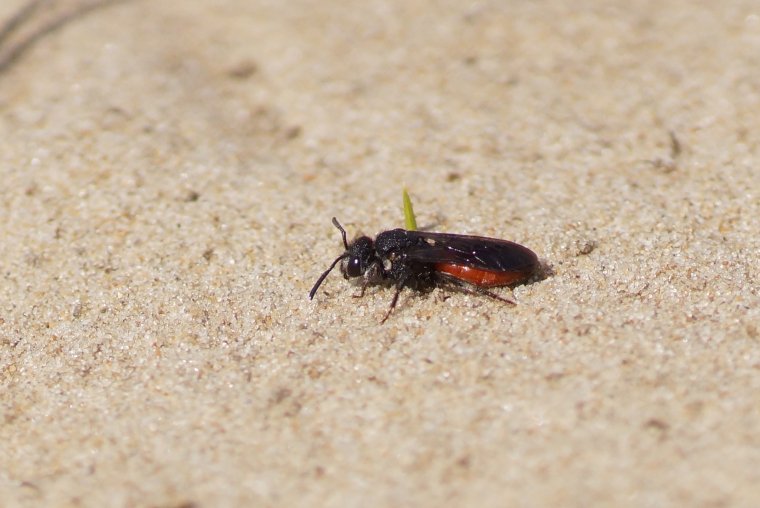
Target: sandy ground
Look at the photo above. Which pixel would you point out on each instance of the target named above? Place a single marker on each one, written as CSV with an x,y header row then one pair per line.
x,y
168,173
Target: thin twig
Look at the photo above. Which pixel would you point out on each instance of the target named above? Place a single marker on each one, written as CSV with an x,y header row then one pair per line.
x,y
15,51
19,18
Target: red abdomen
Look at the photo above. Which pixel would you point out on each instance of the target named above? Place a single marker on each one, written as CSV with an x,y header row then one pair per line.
x,y
482,278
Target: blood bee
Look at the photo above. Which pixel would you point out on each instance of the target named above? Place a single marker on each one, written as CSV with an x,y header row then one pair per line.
x,y
421,261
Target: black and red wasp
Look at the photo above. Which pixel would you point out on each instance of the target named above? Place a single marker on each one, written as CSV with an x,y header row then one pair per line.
x,y
421,261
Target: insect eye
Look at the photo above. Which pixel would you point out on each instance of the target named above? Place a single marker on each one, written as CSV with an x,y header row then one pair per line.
x,y
354,267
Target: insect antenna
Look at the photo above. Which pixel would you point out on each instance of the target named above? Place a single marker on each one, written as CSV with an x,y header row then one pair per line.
x,y
324,275
342,231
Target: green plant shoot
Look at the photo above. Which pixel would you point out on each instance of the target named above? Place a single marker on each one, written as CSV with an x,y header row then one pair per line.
x,y
409,221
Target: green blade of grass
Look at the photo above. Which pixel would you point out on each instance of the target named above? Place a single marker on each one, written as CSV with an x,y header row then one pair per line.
x,y
409,221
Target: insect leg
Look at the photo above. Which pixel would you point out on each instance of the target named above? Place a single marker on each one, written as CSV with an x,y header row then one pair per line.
x,y
405,277
480,291
365,283
469,289
373,275
393,302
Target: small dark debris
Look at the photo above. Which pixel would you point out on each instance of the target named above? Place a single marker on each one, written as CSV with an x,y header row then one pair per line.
x,y
675,145
292,132
669,164
657,424
280,395
29,485
243,70
587,246
554,376
464,461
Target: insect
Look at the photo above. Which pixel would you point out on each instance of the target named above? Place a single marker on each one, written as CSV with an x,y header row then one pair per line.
x,y
421,261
